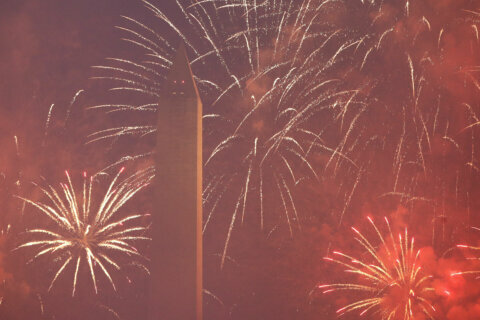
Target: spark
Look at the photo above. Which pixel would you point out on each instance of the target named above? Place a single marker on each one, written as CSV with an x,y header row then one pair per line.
x,y
69,109
47,123
283,96
473,250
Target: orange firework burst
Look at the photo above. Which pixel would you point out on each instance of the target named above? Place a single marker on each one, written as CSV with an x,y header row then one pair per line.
x,y
391,277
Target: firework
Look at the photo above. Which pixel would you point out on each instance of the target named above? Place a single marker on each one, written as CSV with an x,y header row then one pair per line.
x,y
86,232
391,278
270,99
334,91
422,92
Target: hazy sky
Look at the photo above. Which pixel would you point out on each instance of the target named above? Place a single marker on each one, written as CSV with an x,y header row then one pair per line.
x,y
47,48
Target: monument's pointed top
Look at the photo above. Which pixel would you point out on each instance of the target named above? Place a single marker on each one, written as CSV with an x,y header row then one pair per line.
x,y
180,81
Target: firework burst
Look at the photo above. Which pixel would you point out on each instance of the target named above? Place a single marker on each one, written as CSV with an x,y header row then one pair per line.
x,y
324,90
392,278
416,60
85,232
268,104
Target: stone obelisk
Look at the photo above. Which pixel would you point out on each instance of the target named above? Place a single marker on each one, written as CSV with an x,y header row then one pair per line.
x,y
176,272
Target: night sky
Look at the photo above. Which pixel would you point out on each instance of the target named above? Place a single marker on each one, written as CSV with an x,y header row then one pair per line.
x,y
352,109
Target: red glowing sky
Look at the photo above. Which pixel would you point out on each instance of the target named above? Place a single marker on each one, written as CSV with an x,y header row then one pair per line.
x,y
47,49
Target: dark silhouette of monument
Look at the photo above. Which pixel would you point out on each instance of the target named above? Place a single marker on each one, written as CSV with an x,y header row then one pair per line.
x,y
176,272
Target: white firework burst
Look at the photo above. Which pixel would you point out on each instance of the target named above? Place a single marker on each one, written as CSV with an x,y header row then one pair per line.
x,y
83,231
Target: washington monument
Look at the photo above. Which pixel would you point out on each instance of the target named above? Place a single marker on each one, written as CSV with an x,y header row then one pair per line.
x,y
176,281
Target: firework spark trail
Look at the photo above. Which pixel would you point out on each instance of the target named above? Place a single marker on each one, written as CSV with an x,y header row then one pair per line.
x,y
110,311
269,105
88,232
47,123
69,109
473,249
273,115
408,48
391,278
